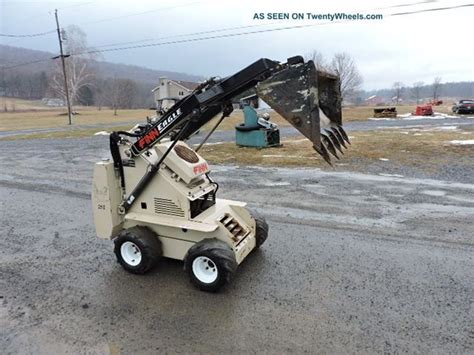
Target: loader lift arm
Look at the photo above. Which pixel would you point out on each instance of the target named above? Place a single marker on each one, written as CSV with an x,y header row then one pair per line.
x,y
308,99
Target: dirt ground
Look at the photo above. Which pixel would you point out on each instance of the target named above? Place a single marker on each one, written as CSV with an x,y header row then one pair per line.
x,y
355,263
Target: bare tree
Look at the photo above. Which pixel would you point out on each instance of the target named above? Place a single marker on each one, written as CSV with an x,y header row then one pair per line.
x,y
397,91
416,90
118,94
436,87
79,73
127,93
112,95
318,59
344,66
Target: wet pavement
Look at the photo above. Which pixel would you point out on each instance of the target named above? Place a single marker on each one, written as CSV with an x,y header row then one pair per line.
x,y
355,263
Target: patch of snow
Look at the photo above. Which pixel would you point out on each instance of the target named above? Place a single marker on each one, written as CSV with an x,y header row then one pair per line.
x,y
434,129
413,117
462,142
445,115
447,128
380,118
295,140
410,116
273,156
101,133
391,175
214,143
276,183
383,159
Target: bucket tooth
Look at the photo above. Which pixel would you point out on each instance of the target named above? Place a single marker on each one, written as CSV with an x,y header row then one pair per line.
x,y
323,152
343,133
334,140
329,145
339,136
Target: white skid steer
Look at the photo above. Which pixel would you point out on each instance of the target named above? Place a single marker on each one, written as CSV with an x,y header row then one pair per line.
x,y
156,198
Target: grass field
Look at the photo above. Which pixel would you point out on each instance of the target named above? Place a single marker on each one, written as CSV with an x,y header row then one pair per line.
x,y
8,104
424,149
51,119
24,114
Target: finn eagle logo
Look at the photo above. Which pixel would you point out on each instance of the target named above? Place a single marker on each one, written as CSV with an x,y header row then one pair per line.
x,y
152,135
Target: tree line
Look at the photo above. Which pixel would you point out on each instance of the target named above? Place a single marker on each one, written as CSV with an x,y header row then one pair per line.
x,y
89,87
420,91
86,85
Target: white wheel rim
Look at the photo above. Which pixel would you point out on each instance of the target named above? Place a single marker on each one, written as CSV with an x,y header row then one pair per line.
x,y
205,270
131,254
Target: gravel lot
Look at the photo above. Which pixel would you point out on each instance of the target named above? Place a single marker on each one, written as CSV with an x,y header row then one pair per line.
x,y
354,263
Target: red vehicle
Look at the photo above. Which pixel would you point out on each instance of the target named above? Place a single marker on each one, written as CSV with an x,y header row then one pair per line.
x,y
435,102
424,110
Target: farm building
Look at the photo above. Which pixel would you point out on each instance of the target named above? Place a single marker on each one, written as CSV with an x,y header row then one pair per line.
x,y
169,91
52,102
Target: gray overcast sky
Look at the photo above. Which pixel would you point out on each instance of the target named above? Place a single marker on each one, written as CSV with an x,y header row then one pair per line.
x,y
398,48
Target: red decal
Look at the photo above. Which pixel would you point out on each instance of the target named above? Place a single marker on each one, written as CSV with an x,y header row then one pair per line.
x,y
148,138
200,168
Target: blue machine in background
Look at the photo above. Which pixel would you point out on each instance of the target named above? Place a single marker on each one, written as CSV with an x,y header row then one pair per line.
x,y
256,131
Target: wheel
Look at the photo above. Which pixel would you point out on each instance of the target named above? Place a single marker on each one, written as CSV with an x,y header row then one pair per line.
x,y
138,249
210,263
261,225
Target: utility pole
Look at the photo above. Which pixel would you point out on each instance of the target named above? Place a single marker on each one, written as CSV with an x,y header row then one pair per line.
x,y
63,62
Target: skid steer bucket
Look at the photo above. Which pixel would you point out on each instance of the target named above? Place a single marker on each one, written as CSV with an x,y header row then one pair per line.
x,y
311,101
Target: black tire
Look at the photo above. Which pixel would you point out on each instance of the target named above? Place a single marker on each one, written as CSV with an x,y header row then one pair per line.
x,y
261,233
217,257
147,243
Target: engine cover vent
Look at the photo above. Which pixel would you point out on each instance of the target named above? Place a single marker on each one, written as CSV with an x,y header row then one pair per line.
x,y
168,207
186,154
231,224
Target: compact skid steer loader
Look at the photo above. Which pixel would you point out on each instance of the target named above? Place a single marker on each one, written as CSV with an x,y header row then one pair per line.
x,y
156,198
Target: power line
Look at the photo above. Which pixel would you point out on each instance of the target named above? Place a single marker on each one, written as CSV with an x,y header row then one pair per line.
x,y
185,35
406,5
25,63
141,13
254,32
28,35
236,34
231,28
40,15
431,10
201,38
